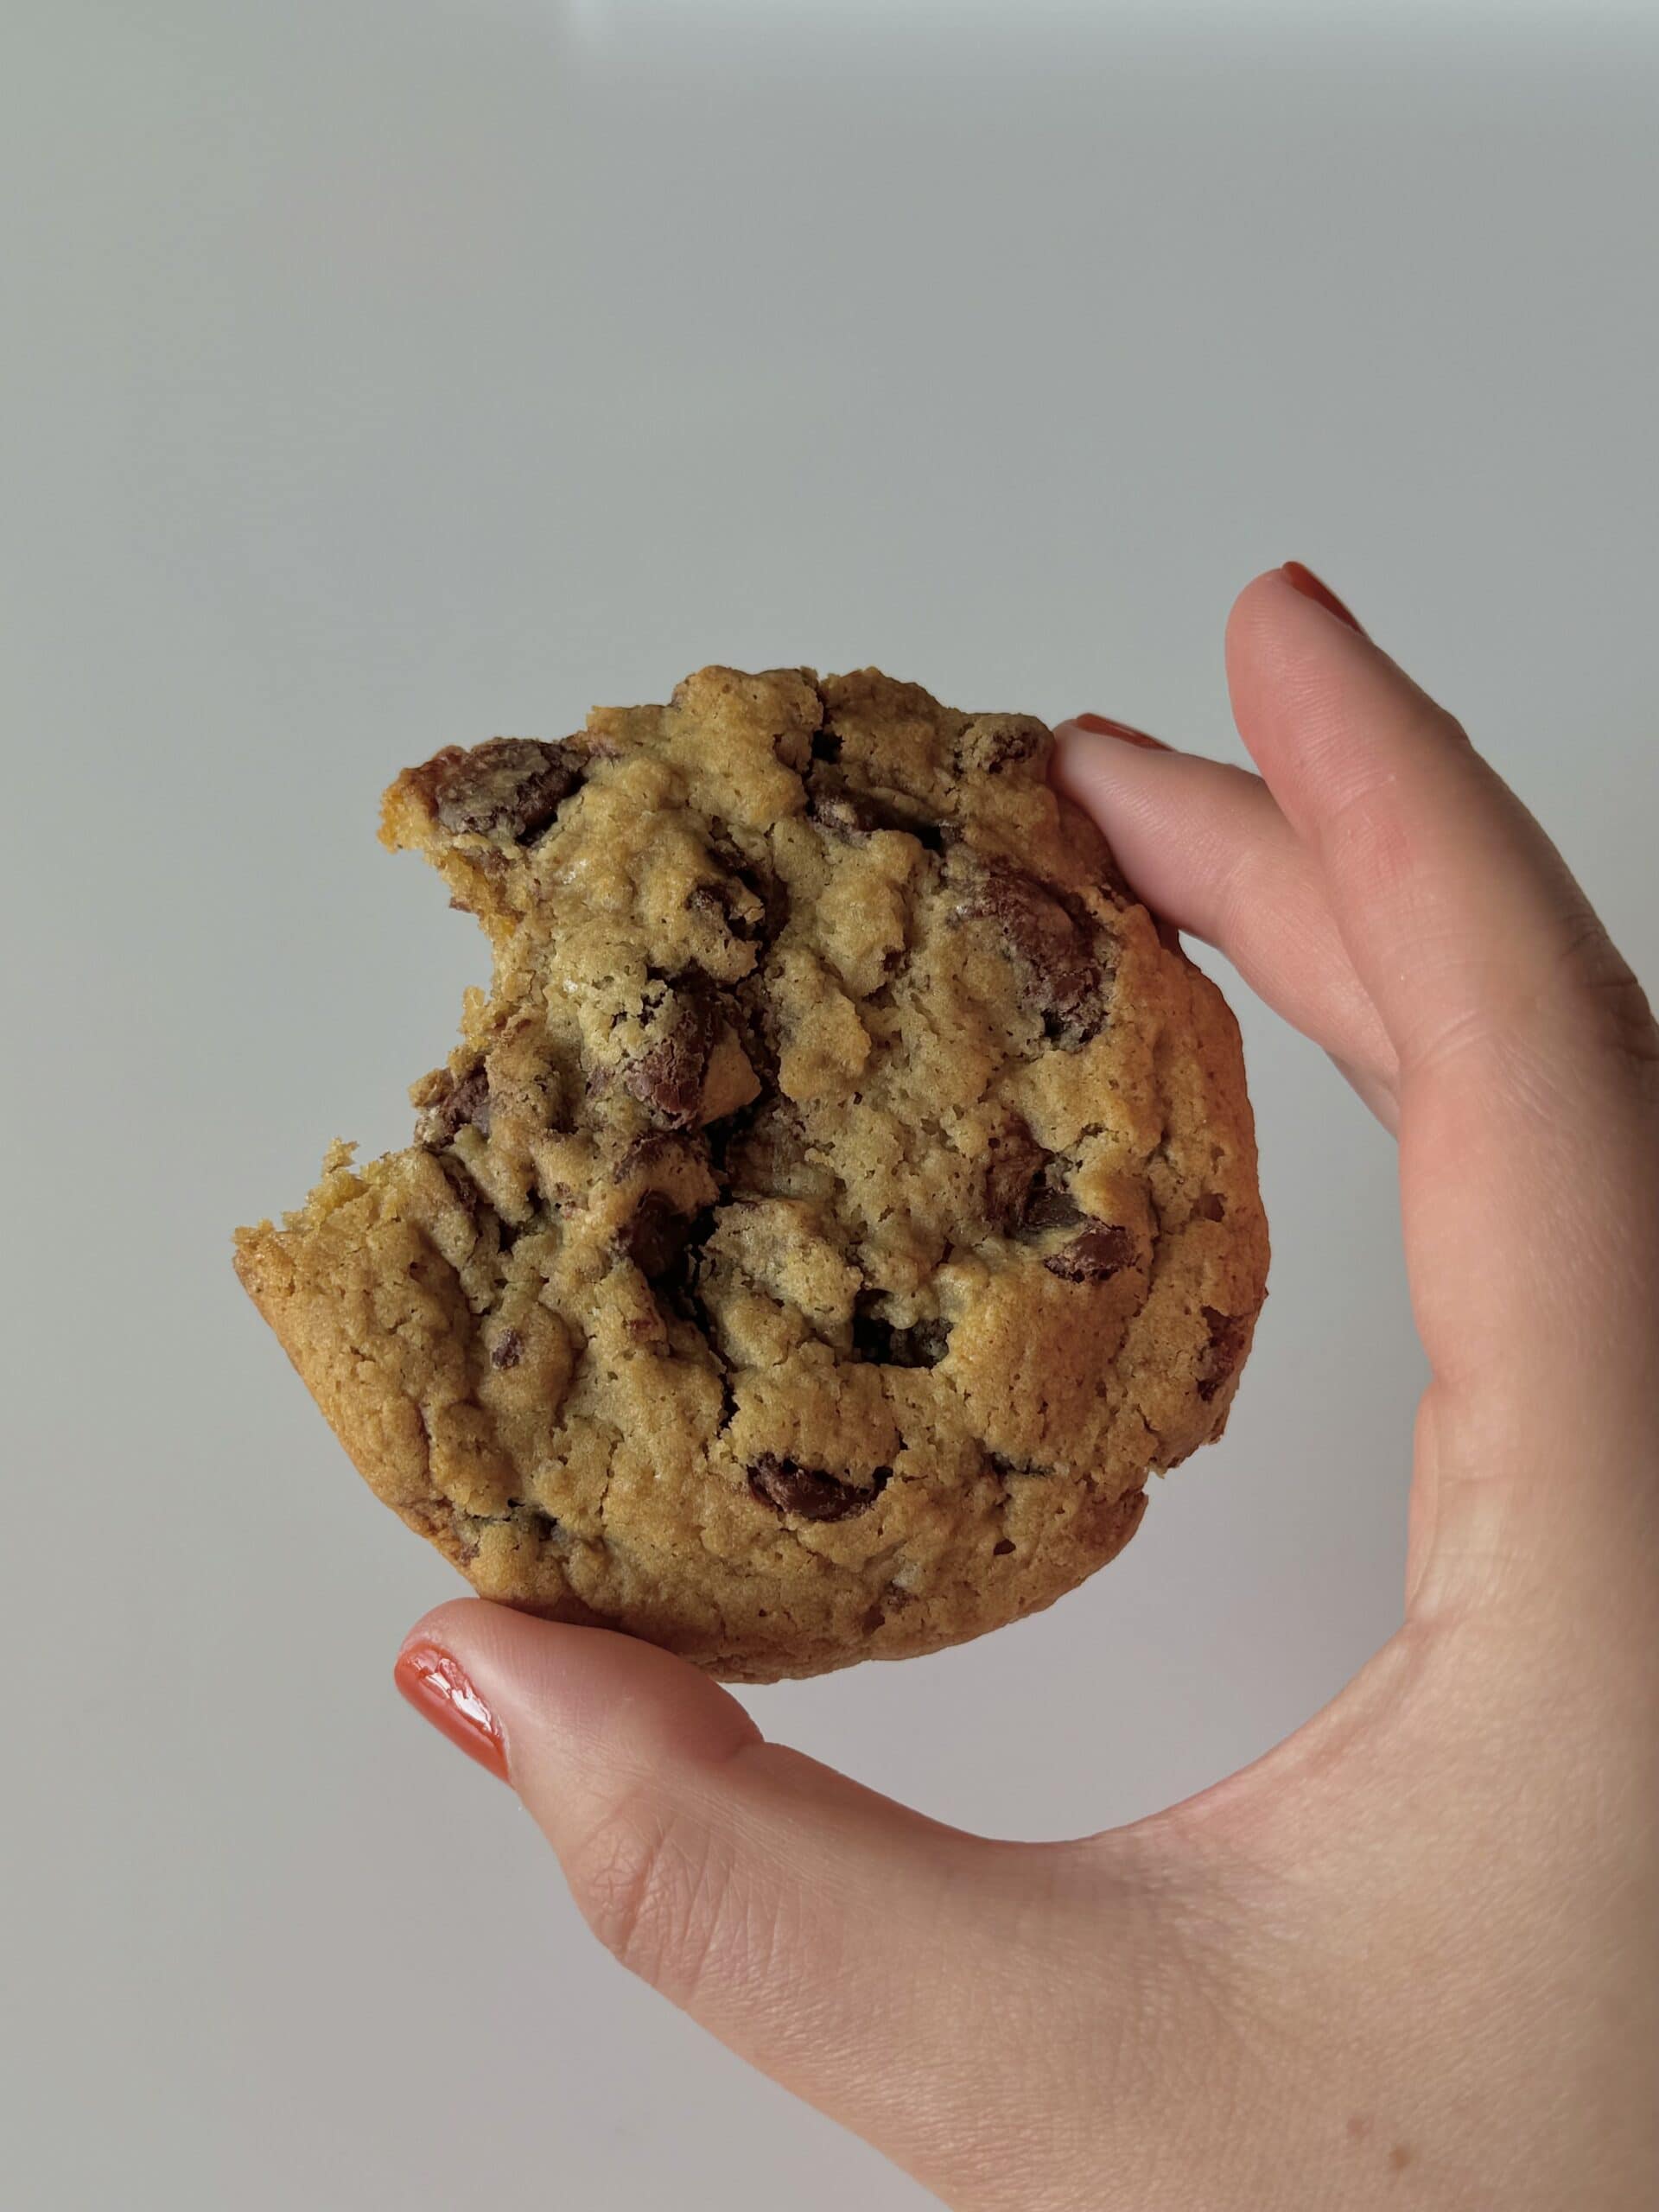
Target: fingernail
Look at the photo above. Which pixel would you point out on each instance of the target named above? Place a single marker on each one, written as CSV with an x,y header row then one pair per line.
x,y
1107,727
1304,580
441,1693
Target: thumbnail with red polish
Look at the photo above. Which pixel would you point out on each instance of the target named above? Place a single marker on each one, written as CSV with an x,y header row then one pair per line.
x,y
434,1685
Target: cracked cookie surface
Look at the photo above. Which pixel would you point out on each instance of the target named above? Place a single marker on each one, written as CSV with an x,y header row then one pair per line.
x,y
840,1204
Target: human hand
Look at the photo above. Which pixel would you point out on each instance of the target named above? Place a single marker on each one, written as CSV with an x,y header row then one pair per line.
x,y
1413,1955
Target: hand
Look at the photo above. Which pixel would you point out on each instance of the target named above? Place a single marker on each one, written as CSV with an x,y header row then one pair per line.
x,y
1412,1956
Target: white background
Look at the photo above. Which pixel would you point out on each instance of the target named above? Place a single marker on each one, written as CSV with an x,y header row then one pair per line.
x,y
383,374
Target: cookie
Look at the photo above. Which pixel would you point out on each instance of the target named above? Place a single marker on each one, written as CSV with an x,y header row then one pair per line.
x,y
842,1200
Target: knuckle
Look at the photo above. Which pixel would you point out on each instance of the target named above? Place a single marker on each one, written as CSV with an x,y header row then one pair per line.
x,y
1628,1029
1581,1005
1621,1019
651,1885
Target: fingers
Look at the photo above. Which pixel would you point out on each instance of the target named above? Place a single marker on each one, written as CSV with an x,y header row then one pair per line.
x,y
1205,845
859,1954
1383,888
1529,1136
1461,919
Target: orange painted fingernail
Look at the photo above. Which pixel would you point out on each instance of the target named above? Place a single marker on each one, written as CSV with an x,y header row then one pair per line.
x,y
1304,580
1107,727
440,1693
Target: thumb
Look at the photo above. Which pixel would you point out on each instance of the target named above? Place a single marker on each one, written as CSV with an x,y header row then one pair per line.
x,y
863,1956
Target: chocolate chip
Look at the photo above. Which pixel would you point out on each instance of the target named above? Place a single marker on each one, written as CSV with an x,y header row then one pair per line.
x,y
1225,1350
851,814
464,1188
810,1495
1025,1187
773,894
722,898
1102,1251
755,1014
509,787
534,1521
1051,944
764,883
922,1343
654,1235
678,1286
507,1349
667,1078
467,1105
1013,1163
1050,1206
1002,1547
761,1149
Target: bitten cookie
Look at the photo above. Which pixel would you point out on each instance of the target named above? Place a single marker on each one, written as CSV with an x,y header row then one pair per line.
x,y
841,1202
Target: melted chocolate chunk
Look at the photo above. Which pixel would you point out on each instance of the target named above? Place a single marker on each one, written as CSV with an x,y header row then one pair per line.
x,y
535,1521
1050,1206
507,1349
1103,1250
723,897
810,1495
654,1235
465,1188
852,814
722,902
760,1149
1012,1165
1226,1348
509,787
773,894
1052,947
467,1105
667,1078
756,1018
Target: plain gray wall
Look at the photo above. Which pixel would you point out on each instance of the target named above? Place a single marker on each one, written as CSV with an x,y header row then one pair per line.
x,y
383,374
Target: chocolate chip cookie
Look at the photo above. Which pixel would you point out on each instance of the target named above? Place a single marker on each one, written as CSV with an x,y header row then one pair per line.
x,y
842,1200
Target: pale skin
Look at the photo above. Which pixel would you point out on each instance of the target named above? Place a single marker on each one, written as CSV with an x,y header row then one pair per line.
x,y
1411,1956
